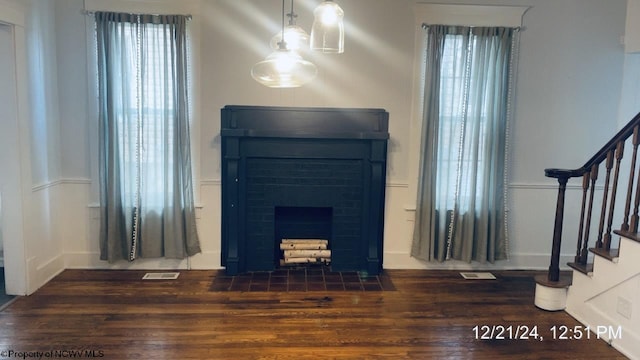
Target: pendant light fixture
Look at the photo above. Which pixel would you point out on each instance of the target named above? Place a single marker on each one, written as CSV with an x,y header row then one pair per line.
x,y
284,68
327,32
294,35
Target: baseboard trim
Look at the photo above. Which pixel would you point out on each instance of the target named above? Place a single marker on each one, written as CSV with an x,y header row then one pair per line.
x,y
404,260
40,274
91,260
392,260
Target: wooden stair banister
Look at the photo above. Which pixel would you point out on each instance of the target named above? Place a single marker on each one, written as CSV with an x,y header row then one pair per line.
x,y
612,155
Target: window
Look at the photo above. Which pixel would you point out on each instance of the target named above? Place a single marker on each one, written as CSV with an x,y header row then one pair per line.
x,y
461,211
146,188
145,132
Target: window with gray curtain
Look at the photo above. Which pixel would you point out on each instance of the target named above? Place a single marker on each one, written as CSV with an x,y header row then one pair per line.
x,y
146,192
468,87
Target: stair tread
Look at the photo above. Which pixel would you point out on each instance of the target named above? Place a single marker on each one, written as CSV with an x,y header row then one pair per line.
x,y
583,268
628,234
607,254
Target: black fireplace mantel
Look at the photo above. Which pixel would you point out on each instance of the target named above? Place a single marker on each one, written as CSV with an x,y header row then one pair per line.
x,y
276,157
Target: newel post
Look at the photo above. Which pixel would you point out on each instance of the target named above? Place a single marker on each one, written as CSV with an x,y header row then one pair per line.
x,y
551,290
554,267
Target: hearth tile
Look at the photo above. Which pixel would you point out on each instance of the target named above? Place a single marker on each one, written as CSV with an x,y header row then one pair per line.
x,y
332,277
315,272
335,286
280,273
316,286
259,286
278,287
352,286
301,271
240,286
297,287
350,277
315,278
260,276
372,286
297,277
278,280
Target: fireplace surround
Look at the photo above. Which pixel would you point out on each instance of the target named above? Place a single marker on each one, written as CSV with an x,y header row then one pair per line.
x,y
305,173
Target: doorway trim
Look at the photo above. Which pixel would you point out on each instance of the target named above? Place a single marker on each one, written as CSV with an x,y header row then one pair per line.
x,y
15,263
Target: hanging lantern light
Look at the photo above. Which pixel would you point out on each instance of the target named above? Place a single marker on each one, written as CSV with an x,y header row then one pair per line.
x,y
327,32
284,68
294,35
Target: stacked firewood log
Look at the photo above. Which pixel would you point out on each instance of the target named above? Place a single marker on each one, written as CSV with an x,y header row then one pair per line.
x,y
302,251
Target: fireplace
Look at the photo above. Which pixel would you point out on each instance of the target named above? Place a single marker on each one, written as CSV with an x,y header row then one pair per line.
x,y
303,173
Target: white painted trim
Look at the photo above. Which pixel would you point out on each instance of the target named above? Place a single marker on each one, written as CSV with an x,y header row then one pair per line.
x,y
72,181
470,15
43,273
393,184
15,249
210,182
46,185
91,260
76,181
521,261
544,186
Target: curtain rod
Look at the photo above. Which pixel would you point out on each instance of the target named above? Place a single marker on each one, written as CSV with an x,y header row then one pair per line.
x,y
91,13
517,28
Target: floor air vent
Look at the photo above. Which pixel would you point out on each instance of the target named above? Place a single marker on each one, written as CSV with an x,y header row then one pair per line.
x,y
477,275
161,276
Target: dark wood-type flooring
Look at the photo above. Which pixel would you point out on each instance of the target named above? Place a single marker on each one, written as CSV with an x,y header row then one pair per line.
x,y
431,315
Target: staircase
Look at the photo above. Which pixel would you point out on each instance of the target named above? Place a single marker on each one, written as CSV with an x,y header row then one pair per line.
x,y
603,292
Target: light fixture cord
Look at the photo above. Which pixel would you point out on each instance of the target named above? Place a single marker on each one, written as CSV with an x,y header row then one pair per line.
x,y
292,16
282,44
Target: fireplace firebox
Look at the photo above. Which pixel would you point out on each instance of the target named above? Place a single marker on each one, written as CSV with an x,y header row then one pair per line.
x,y
305,173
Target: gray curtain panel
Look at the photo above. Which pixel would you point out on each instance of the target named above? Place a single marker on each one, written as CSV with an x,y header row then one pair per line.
x,y
146,192
461,205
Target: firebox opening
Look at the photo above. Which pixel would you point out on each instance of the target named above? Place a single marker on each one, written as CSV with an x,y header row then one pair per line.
x,y
299,223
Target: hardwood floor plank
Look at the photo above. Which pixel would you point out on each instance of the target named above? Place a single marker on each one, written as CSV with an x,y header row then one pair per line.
x,y
431,314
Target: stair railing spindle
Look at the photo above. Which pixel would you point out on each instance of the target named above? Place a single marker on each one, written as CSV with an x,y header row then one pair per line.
x,y
606,242
610,156
581,229
585,247
632,171
603,211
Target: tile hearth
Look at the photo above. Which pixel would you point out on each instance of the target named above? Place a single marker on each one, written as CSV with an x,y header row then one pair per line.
x,y
304,278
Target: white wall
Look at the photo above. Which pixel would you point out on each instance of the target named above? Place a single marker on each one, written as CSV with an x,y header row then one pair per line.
x,y
568,94
30,242
8,132
44,246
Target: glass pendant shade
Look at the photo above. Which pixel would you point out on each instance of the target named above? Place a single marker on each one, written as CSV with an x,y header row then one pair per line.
x,y
295,37
284,69
327,32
